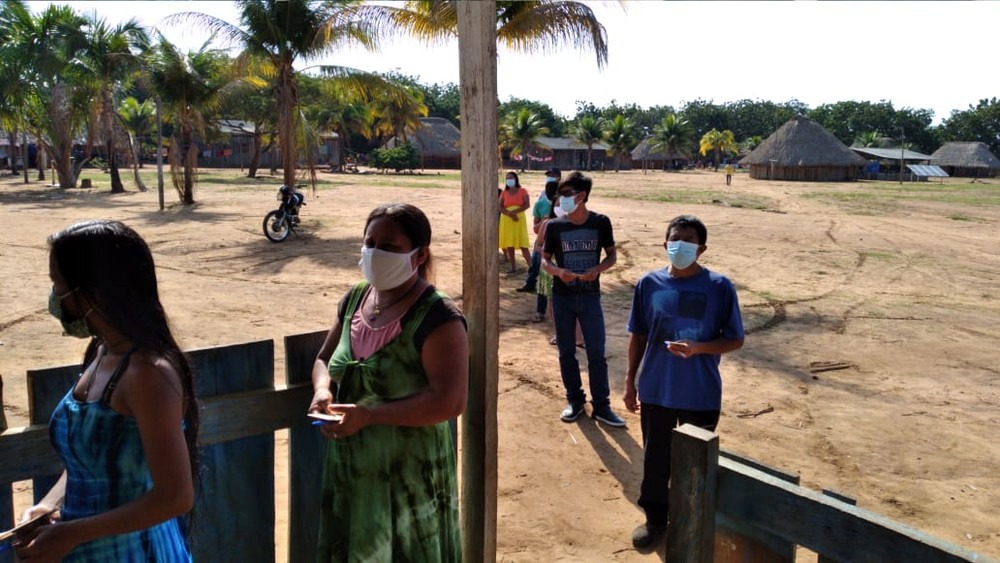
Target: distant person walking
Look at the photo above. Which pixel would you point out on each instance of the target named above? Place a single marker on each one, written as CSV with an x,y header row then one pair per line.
x,y
684,317
729,174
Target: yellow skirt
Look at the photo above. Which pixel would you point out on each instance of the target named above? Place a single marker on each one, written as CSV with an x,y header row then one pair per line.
x,y
514,234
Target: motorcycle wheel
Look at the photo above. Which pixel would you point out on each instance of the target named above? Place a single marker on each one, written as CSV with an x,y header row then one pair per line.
x,y
276,226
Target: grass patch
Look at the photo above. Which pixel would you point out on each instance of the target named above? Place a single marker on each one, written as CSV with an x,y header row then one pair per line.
x,y
886,256
891,195
694,196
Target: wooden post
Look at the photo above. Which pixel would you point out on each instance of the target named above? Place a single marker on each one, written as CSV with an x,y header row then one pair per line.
x,y
478,88
694,466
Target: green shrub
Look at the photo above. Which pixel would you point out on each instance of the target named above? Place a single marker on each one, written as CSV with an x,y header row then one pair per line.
x,y
399,158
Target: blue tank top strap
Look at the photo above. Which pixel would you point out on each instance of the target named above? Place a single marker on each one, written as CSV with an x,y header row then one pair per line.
x,y
116,376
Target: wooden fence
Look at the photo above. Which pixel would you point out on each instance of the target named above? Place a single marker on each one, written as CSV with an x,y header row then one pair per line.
x,y
240,410
727,509
723,508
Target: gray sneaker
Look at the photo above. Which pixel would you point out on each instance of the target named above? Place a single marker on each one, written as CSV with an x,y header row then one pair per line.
x,y
607,416
571,413
648,535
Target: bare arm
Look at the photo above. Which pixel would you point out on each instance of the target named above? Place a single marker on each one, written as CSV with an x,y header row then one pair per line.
x,y
688,348
151,392
445,359
322,384
636,349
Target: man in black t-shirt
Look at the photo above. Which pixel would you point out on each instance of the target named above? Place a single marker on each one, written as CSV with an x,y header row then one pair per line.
x,y
572,255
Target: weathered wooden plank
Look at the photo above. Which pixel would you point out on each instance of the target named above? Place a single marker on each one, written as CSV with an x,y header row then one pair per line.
x,y
251,413
306,447
32,454
46,387
6,491
822,524
235,502
821,558
738,542
694,458
478,90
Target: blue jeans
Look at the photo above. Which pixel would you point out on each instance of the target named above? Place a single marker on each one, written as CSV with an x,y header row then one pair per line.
x,y
536,264
567,309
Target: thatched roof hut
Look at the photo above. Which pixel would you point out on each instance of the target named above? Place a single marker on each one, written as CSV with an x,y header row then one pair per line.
x,y
966,159
437,140
802,149
644,154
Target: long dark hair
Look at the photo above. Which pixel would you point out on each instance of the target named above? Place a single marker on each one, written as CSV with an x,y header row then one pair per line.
x,y
112,266
414,224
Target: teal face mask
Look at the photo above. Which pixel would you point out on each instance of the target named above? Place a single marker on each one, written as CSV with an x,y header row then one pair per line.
x,y
71,327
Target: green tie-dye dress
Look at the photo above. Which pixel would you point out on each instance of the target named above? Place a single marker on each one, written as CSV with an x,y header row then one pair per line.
x,y
389,492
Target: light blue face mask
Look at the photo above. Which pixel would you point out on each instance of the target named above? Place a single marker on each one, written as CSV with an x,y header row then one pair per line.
x,y
511,182
681,253
567,203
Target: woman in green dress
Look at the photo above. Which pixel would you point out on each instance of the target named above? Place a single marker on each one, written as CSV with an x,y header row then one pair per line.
x,y
394,366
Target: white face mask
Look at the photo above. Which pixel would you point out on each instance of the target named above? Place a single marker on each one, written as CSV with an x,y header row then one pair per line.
x,y
567,203
386,270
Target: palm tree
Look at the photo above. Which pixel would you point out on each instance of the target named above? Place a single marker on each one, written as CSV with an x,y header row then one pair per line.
x,y
524,26
620,134
280,32
520,132
137,118
191,85
718,142
53,99
588,131
112,56
399,115
671,136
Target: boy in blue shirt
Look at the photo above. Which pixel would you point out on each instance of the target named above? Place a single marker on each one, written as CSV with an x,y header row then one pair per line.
x,y
684,317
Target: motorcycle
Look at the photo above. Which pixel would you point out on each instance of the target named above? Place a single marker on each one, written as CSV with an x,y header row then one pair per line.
x,y
283,220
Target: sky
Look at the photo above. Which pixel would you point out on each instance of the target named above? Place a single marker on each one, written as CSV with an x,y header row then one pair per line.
x,y
930,55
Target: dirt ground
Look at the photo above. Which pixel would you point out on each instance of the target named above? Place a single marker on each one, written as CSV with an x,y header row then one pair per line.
x,y
870,364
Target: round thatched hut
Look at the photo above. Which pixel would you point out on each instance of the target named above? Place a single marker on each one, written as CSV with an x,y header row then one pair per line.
x,y
643,156
966,159
802,150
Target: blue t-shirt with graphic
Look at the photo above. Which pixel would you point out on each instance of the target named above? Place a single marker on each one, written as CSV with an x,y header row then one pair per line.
x,y
578,248
701,308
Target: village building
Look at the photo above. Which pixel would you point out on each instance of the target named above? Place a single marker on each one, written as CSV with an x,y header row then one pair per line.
x,y
803,150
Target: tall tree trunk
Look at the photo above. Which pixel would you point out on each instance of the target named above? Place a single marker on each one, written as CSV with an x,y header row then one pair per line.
x,y
190,167
590,151
287,101
133,142
116,178
40,160
24,156
255,152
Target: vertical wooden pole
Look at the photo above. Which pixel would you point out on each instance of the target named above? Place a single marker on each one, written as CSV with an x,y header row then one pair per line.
x,y
694,469
478,89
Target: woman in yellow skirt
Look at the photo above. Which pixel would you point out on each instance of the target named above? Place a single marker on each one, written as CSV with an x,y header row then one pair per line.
x,y
513,226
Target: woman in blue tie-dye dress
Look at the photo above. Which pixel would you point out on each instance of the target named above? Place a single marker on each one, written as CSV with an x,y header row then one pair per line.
x,y
126,429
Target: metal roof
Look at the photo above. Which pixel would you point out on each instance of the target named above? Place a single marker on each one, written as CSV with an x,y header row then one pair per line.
x,y
566,144
890,154
927,170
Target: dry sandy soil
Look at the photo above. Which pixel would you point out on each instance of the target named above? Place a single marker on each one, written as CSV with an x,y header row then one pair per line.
x,y
870,365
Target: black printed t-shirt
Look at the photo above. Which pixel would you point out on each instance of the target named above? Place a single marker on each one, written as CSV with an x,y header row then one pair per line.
x,y
578,248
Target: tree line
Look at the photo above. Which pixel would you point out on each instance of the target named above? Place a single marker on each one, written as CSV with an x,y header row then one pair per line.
x,y
69,81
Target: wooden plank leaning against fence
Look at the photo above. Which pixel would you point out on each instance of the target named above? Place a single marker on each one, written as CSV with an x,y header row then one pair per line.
x,y
240,410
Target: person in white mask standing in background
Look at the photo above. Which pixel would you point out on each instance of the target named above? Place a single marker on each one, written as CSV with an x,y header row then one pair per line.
x,y
392,372
684,317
